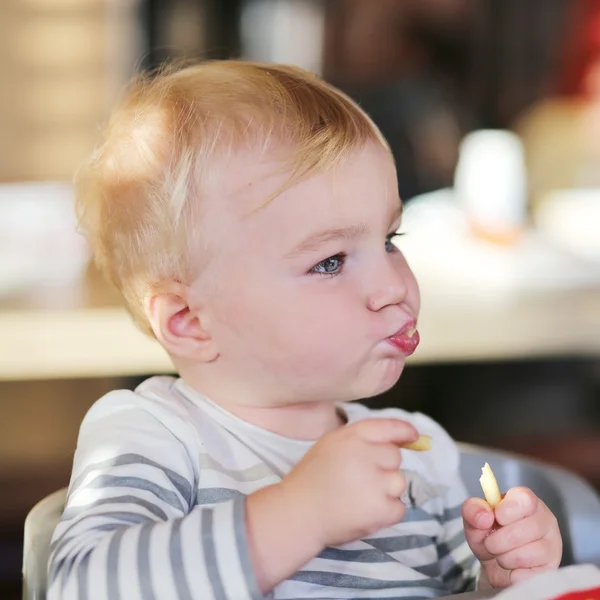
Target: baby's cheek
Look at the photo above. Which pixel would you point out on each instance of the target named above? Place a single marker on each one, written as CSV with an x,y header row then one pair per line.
x,y
317,352
414,294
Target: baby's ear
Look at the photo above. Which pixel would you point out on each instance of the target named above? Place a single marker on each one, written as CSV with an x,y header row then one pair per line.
x,y
179,328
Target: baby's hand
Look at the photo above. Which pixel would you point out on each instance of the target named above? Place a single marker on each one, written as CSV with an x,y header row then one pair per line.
x,y
349,484
516,540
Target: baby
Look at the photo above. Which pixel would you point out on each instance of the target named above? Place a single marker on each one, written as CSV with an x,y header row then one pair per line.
x,y
248,214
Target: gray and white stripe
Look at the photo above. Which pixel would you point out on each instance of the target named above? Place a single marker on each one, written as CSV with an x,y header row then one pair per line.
x,y
156,510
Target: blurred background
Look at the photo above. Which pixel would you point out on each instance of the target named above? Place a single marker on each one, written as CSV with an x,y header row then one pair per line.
x,y
492,109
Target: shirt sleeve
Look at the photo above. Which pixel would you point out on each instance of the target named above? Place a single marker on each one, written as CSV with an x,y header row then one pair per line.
x,y
131,528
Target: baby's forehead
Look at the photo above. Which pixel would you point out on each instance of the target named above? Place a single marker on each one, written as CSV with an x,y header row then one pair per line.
x,y
235,194
249,178
247,217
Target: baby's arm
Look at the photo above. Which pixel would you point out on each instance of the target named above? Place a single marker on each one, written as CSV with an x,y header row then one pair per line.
x,y
280,539
130,528
346,487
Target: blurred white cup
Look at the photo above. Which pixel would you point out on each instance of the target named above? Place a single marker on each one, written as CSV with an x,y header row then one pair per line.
x,y
491,182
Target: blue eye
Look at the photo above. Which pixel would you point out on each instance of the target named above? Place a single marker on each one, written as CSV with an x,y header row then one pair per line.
x,y
389,242
330,266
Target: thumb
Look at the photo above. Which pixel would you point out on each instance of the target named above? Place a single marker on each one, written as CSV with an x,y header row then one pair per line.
x,y
478,520
385,431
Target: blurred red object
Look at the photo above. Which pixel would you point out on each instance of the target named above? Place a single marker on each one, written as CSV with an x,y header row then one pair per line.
x,y
578,73
591,594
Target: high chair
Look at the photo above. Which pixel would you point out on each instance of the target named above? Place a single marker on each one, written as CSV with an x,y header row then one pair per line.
x,y
573,501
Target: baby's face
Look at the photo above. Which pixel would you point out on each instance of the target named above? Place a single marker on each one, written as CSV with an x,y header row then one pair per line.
x,y
310,288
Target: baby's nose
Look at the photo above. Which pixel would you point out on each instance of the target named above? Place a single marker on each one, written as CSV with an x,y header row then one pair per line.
x,y
389,294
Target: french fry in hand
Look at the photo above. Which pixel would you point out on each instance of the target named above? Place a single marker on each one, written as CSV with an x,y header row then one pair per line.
x,y
423,443
489,485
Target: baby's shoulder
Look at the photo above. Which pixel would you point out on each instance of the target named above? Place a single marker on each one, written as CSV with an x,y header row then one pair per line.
x,y
155,405
156,395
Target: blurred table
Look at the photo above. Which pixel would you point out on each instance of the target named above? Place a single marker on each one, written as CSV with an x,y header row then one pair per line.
x,y
75,330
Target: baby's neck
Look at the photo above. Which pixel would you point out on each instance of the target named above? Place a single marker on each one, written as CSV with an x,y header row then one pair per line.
x,y
309,421
300,421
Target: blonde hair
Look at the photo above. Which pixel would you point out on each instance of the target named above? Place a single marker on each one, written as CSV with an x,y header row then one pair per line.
x,y
140,193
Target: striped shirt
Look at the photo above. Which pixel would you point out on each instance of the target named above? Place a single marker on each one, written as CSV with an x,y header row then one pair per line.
x,y
155,509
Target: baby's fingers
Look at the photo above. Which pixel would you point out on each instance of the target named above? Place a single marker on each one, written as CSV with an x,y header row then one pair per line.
x,y
516,535
535,554
478,520
519,575
518,503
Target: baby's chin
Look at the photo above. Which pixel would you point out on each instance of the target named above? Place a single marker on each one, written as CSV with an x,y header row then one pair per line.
x,y
380,381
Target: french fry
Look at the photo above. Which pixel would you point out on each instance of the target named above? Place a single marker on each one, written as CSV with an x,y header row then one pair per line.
x,y
423,443
489,485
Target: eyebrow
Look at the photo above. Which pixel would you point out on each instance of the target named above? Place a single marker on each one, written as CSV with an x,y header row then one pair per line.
x,y
397,212
316,240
